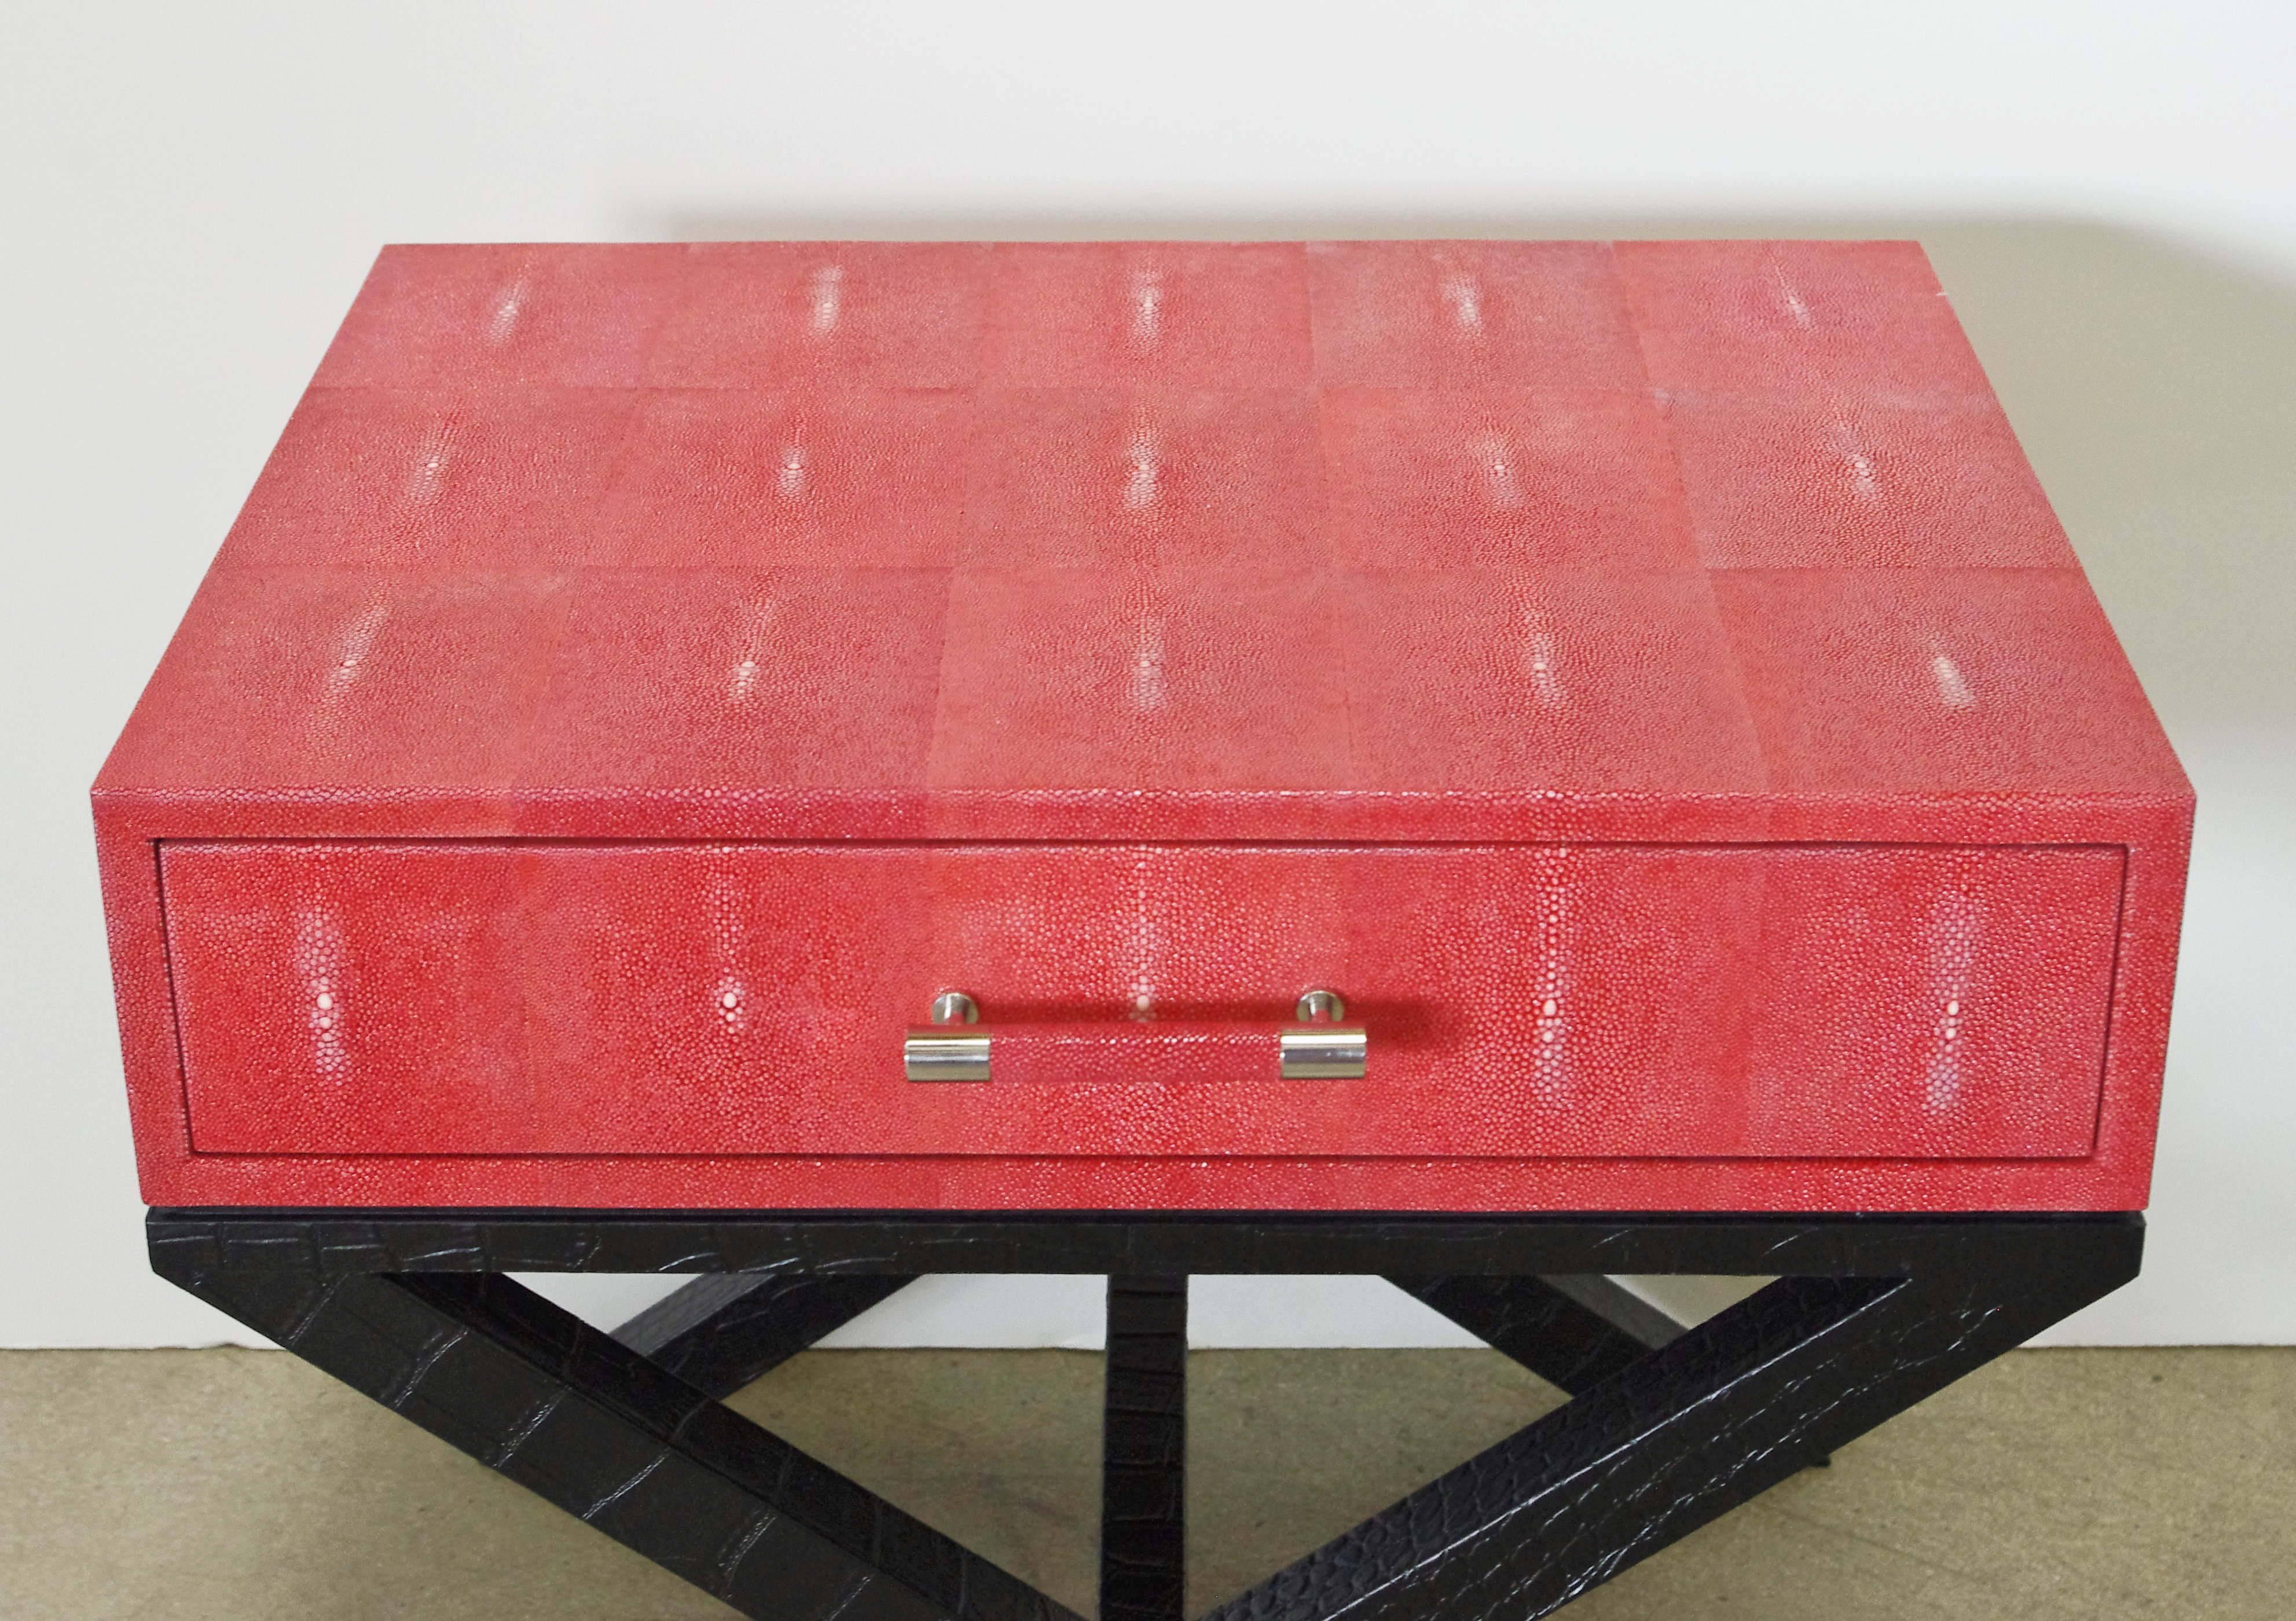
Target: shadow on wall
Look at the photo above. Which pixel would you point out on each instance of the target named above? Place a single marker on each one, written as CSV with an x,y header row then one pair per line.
x,y
2148,380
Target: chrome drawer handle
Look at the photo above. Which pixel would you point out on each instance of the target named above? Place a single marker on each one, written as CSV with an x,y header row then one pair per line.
x,y
1319,1047
941,1053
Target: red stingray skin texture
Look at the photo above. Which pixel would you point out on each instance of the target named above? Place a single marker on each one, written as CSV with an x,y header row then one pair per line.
x,y
1645,679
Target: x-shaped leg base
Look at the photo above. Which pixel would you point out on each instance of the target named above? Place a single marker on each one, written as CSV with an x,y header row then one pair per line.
x,y
1667,1427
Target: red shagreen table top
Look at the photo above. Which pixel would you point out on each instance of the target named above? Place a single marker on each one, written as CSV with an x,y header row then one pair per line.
x,y
1370,540
1469,542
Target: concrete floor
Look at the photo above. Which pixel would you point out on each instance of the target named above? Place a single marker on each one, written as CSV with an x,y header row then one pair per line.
x,y
241,1485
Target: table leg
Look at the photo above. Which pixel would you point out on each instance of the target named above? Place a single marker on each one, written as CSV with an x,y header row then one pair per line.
x,y
1143,1451
725,1329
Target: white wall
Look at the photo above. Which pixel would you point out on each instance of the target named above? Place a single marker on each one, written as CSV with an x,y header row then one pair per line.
x,y
193,193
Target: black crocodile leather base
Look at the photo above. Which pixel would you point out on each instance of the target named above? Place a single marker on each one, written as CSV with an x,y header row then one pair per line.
x,y
1667,1427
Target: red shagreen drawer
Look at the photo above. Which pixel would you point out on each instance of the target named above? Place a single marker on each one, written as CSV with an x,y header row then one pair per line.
x,y
449,998
1645,679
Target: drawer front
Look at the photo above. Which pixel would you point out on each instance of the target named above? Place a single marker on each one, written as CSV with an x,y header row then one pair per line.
x,y
1868,1001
